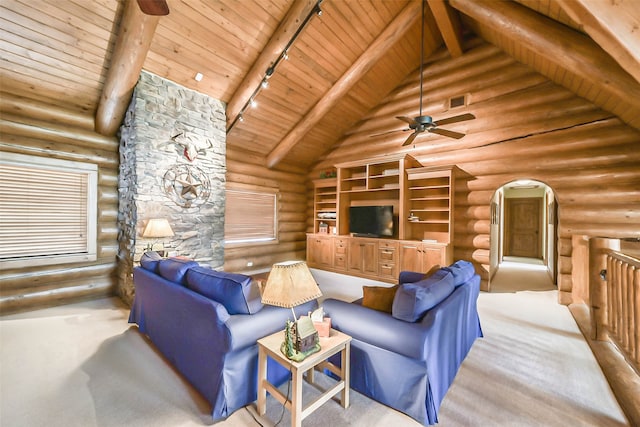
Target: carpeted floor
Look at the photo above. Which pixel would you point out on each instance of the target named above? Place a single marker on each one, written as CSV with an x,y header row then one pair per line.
x,y
83,365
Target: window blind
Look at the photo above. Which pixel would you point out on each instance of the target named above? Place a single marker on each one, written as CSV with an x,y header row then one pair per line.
x,y
250,215
45,209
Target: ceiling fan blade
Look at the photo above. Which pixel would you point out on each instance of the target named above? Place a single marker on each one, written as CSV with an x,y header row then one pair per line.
x,y
388,132
411,138
455,119
449,133
407,120
154,7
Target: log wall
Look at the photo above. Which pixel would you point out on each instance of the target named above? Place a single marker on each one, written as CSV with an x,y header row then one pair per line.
x,y
244,168
525,128
33,128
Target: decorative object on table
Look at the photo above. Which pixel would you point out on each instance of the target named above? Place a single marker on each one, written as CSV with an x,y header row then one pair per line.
x,y
321,323
323,228
156,228
328,174
290,283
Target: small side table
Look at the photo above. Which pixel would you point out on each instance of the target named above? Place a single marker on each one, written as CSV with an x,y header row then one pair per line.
x,y
334,343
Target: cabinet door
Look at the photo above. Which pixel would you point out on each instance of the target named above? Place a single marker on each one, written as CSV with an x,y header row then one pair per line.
x,y
319,251
411,256
370,258
432,255
363,256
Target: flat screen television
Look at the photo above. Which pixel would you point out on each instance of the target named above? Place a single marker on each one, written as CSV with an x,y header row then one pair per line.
x,y
374,221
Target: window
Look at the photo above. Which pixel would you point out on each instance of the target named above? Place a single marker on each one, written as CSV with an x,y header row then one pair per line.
x,y
48,211
251,214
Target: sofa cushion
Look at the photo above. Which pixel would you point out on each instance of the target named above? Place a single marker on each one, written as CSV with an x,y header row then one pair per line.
x,y
237,292
462,271
414,276
413,300
151,261
379,297
175,269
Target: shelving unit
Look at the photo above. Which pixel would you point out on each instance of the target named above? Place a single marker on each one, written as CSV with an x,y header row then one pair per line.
x,y
430,201
325,204
377,181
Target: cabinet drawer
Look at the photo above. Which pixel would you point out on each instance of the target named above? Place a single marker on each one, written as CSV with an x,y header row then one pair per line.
x,y
340,261
340,246
388,255
385,244
387,270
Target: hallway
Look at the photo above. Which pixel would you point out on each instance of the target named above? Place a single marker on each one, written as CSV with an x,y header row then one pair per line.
x,y
517,274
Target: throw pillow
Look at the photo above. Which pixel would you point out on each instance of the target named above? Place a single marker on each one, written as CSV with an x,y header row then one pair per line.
x,y
379,297
175,269
238,293
413,300
150,261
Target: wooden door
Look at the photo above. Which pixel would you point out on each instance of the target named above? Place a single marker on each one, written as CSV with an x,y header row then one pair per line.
x,y
523,237
370,258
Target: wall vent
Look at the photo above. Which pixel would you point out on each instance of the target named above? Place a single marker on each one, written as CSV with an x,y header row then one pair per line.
x,y
457,101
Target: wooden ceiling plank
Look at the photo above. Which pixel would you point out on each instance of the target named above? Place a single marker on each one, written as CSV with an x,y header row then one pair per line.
x,y
615,26
556,42
449,24
386,40
295,16
132,44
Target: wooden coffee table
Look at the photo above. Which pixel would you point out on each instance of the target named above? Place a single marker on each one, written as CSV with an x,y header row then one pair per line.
x,y
334,343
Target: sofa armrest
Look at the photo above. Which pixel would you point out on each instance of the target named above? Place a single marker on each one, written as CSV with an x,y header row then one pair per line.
x,y
378,328
246,329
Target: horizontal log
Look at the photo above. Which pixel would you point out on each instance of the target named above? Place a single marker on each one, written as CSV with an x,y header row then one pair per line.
x,y
31,128
616,231
478,255
240,252
472,212
564,264
627,193
25,107
92,289
565,297
37,147
565,283
565,246
462,226
38,277
603,213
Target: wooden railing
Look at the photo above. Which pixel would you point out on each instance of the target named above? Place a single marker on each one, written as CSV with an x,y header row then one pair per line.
x,y
623,304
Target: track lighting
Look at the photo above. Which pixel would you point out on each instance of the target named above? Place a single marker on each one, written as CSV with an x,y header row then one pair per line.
x,y
271,70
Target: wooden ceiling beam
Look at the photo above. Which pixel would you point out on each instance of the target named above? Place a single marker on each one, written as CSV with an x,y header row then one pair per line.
x,y
561,45
614,25
132,45
297,13
385,41
449,24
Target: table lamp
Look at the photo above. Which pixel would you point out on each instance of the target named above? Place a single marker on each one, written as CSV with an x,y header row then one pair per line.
x,y
156,227
290,283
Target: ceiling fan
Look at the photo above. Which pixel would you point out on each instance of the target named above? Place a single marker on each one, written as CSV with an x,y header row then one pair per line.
x,y
422,123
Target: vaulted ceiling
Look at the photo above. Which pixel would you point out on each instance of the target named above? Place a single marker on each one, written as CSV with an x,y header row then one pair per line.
x,y
79,53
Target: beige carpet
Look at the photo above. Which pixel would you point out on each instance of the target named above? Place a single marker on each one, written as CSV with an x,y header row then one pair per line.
x,y
83,365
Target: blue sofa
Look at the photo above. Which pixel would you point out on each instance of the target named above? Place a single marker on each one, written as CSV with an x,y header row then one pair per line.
x,y
407,359
206,323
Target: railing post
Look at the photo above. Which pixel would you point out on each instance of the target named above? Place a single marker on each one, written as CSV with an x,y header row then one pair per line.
x,y
598,249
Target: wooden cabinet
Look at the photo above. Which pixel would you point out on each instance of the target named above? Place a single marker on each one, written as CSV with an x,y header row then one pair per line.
x,y
325,205
418,256
422,200
320,251
363,256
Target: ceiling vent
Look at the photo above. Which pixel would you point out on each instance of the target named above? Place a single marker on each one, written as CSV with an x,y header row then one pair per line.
x,y
457,101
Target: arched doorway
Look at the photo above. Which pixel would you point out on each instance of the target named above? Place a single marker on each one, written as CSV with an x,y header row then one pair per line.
x,y
524,227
